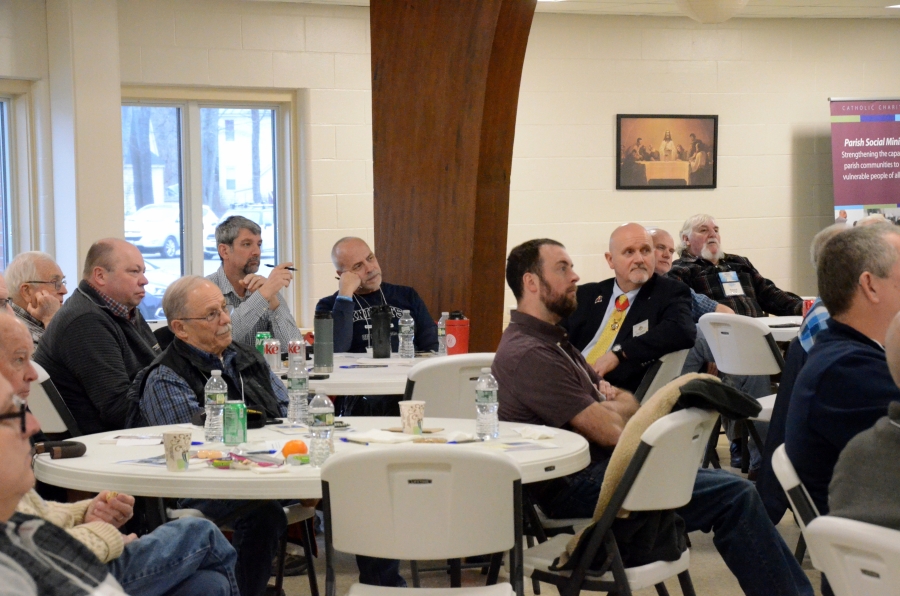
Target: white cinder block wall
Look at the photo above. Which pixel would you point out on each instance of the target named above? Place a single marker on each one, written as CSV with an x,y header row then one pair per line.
x,y
768,80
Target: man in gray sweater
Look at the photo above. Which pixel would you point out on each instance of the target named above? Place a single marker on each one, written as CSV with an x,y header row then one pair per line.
x,y
98,341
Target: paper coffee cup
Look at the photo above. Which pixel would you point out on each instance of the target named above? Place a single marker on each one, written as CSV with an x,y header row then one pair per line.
x,y
412,416
177,444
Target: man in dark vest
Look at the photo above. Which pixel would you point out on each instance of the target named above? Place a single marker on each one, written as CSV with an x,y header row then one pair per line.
x,y
171,391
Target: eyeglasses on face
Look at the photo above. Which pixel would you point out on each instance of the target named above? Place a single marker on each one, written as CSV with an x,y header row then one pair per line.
x,y
213,316
56,283
17,401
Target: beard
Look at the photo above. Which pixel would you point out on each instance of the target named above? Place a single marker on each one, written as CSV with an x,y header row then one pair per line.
x,y
562,305
639,275
709,256
252,266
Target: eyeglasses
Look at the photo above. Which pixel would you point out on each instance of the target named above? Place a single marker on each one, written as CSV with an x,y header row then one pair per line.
x,y
56,283
17,401
213,316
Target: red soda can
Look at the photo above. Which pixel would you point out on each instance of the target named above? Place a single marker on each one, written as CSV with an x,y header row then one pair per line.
x,y
272,353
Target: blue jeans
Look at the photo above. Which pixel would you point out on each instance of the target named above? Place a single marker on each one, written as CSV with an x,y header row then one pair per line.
x,y
183,557
256,536
723,503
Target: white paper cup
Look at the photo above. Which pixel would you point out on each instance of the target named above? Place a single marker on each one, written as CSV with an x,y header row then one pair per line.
x,y
412,416
177,444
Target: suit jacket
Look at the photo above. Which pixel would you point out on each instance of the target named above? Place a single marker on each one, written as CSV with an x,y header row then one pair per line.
x,y
664,303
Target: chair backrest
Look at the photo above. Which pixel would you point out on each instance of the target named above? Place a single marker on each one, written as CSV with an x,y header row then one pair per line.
x,y
857,558
804,509
670,449
48,406
421,502
741,345
447,384
667,368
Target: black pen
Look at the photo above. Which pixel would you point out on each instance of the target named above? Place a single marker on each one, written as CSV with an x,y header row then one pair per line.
x,y
288,268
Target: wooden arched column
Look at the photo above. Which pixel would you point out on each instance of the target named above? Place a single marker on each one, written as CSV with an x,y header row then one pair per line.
x,y
445,88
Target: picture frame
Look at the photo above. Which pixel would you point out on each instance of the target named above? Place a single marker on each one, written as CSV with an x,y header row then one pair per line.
x,y
666,151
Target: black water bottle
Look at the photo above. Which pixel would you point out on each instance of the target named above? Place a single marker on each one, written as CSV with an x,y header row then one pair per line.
x,y
381,331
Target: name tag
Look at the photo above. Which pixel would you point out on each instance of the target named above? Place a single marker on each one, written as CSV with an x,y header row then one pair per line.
x,y
640,329
730,283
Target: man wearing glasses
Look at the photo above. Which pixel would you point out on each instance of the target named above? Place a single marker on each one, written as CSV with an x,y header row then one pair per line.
x,y
36,289
171,391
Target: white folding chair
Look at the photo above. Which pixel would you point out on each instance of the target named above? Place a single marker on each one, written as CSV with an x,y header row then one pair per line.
x,y
667,368
447,384
47,405
744,346
858,558
801,503
660,477
422,502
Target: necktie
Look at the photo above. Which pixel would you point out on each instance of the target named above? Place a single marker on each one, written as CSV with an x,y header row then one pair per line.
x,y
609,333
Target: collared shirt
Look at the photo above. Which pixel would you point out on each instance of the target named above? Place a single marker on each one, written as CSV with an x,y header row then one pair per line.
x,y
815,321
617,291
35,327
117,308
168,399
761,295
252,314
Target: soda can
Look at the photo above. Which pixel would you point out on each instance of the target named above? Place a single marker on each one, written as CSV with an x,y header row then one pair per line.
x,y
297,351
261,337
272,352
234,423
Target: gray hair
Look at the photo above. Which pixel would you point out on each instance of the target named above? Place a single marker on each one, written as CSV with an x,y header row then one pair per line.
x,y
23,269
821,239
228,229
847,256
175,300
689,225
337,246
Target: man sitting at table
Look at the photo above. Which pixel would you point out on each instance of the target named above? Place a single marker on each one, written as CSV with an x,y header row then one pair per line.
x,y
544,379
98,341
728,279
186,556
627,322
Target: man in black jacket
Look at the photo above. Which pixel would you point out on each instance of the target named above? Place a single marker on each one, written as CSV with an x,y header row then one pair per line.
x,y
625,323
98,341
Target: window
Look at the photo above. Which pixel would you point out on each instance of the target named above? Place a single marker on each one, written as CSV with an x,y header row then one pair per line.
x,y
4,184
234,160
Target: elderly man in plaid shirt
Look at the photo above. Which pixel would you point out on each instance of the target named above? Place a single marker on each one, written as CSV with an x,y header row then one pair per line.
x,y
728,279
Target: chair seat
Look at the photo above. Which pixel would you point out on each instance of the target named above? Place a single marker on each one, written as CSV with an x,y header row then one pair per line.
x,y
768,404
542,556
500,589
547,523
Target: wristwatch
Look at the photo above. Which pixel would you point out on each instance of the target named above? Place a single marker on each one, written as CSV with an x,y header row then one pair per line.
x,y
617,350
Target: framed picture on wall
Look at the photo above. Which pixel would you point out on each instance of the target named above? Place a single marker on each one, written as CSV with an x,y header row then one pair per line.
x,y
666,151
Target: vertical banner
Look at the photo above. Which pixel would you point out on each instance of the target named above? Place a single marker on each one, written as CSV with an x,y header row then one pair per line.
x,y
865,156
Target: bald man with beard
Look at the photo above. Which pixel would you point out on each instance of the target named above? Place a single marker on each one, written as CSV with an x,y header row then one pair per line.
x,y
653,318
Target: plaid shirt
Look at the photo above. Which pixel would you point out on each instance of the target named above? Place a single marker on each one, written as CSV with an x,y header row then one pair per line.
x,y
252,314
168,399
35,327
117,308
761,296
816,320
701,305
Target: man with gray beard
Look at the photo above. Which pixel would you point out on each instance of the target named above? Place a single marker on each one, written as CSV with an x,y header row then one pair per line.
x,y
728,279
624,324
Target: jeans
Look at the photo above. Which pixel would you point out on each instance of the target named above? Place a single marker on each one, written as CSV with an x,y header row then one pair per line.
x,y
256,536
722,503
183,557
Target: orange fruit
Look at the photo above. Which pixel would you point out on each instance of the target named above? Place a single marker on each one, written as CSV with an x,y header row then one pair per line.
x,y
295,447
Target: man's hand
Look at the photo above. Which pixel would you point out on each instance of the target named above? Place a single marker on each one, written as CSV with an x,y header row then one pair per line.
x,y
268,288
44,306
114,509
606,363
724,309
129,538
349,283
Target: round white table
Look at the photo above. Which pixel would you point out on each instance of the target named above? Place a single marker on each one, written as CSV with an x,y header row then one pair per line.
x,y
388,378
98,469
784,329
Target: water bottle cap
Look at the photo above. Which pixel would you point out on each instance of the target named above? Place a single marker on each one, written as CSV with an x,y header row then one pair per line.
x,y
216,373
486,370
406,312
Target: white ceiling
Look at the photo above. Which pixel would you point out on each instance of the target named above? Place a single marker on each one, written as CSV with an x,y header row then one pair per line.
x,y
810,9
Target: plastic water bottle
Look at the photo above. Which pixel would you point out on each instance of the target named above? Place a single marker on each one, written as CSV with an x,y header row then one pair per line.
x,y
321,423
487,425
298,390
442,334
407,336
215,394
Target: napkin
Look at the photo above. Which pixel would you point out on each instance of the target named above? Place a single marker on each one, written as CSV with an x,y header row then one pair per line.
x,y
460,437
382,436
531,432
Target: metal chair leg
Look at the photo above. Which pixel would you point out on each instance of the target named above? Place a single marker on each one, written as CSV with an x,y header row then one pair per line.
x,y
282,551
414,570
800,551
661,589
307,540
687,587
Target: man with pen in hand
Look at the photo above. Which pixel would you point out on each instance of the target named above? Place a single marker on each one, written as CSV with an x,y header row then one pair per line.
x,y
257,300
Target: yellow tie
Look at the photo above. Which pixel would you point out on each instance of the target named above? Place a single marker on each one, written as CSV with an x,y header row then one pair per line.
x,y
611,330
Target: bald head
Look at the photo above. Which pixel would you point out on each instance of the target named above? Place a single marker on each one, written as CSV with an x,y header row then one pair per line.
x,y
353,256
631,256
116,268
